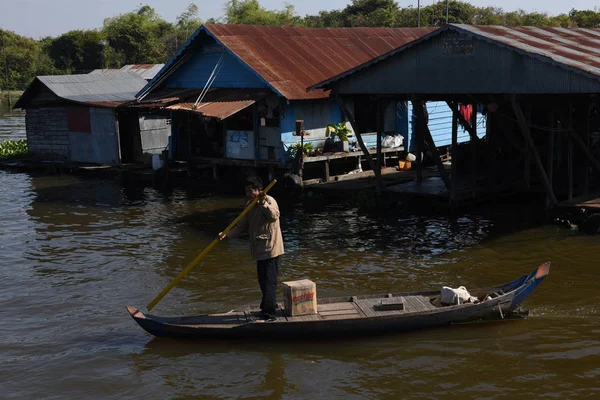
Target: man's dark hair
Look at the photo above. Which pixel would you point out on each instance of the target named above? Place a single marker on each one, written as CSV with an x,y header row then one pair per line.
x,y
255,182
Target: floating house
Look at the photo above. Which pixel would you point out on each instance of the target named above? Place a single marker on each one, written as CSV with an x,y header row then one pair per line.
x,y
538,87
235,92
76,118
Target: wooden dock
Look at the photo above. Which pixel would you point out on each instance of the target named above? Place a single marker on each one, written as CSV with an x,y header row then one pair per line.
x,y
591,201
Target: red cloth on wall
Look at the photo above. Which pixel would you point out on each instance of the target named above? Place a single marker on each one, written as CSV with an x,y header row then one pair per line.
x,y
466,110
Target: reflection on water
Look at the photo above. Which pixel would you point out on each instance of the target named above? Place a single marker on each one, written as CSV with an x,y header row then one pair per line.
x,y
75,252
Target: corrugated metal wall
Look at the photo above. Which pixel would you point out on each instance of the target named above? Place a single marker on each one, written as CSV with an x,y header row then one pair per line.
x,y
47,132
100,146
154,132
196,71
429,68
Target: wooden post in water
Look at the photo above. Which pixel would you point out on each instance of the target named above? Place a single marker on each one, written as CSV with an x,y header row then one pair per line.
x,y
570,150
418,130
525,129
454,165
527,155
300,132
550,160
361,143
380,116
474,151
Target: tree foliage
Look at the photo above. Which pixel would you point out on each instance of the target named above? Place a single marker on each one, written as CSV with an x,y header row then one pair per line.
x,y
252,13
142,36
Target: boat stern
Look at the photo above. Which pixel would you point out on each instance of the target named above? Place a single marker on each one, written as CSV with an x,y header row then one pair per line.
x,y
135,313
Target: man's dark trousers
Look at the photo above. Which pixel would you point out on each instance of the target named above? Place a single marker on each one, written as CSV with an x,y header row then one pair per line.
x,y
267,279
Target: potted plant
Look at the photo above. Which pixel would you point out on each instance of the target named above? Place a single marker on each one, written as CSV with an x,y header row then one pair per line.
x,y
294,149
341,131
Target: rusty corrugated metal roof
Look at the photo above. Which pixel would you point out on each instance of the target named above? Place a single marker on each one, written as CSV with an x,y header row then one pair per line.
x,y
222,103
291,59
573,47
218,103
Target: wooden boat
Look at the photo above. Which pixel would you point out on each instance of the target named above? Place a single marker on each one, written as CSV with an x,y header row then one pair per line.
x,y
351,315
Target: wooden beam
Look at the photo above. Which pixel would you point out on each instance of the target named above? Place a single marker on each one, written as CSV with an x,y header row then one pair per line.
x,y
525,129
474,150
584,148
454,165
380,128
463,121
361,143
527,156
570,151
550,159
422,126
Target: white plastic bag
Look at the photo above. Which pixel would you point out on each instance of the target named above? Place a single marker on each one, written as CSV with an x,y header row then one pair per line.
x,y
392,141
454,296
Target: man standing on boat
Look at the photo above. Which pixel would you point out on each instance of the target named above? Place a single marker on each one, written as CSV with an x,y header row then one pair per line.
x,y
266,242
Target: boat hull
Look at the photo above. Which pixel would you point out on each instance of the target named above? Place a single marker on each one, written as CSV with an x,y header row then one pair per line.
x,y
240,324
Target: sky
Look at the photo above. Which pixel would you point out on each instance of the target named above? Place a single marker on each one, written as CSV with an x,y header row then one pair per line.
x,y
40,18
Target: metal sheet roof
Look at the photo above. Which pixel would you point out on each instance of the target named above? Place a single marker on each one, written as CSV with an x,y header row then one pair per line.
x,y
290,59
222,103
571,48
578,48
104,90
146,71
218,103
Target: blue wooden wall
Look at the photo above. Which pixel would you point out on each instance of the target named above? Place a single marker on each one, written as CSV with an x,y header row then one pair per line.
x,y
440,125
196,71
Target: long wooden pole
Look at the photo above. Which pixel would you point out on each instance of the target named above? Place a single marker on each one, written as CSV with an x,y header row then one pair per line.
x,y
191,265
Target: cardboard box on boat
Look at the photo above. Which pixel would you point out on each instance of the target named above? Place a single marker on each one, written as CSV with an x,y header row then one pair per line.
x,y
299,298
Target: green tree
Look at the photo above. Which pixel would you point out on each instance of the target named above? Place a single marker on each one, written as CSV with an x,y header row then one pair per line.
x,y
251,12
585,18
77,51
185,25
18,60
136,37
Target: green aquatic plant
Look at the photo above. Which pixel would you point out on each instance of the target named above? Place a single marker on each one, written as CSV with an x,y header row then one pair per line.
x,y
13,148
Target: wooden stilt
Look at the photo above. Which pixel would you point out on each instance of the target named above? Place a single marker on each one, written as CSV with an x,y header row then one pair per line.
x,y
327,170
550,159
585,149
361,143
570,151
380,116
474,151
491,156
525,129
467,124
426,134
419,144
527,156
454,165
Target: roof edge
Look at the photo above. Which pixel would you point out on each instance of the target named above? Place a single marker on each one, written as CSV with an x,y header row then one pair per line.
x,y
459,28
171,67
323,84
